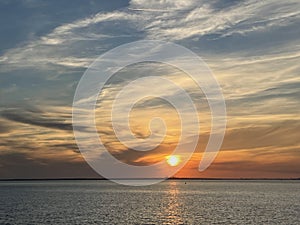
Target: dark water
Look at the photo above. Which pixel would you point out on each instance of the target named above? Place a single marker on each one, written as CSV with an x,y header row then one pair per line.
x,y
170,202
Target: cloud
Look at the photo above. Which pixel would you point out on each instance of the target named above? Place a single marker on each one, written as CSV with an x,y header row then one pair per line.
x,y
70,44
272,135
4,126
22,165
35,119
251,46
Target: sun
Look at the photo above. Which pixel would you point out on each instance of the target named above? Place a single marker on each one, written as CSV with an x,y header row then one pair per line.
x,y
173,160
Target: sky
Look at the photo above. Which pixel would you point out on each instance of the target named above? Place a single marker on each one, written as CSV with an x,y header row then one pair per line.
x,y
252,48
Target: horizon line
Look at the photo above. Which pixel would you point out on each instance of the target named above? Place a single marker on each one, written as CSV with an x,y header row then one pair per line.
x,y
173,178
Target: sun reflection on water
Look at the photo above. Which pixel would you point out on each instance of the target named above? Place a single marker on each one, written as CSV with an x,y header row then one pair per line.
x,y
172,211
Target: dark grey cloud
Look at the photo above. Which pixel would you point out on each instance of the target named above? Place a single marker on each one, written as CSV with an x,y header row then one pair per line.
x,y
36,119
22,165
4,127
72,146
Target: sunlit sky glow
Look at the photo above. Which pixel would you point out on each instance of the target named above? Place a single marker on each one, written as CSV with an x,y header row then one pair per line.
x,y
252,47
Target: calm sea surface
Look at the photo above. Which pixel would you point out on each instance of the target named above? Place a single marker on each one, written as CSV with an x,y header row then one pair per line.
x,y
170,202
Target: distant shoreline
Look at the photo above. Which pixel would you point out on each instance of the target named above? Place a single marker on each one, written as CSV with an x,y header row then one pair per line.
x,y
203,179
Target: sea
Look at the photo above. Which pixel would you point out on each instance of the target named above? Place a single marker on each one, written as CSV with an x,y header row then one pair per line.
x,y
168,202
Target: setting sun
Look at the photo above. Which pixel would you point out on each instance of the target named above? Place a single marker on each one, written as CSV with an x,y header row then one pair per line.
x,y
173,160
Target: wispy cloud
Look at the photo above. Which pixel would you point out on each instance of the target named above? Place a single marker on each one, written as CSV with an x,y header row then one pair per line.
x,y
180,21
